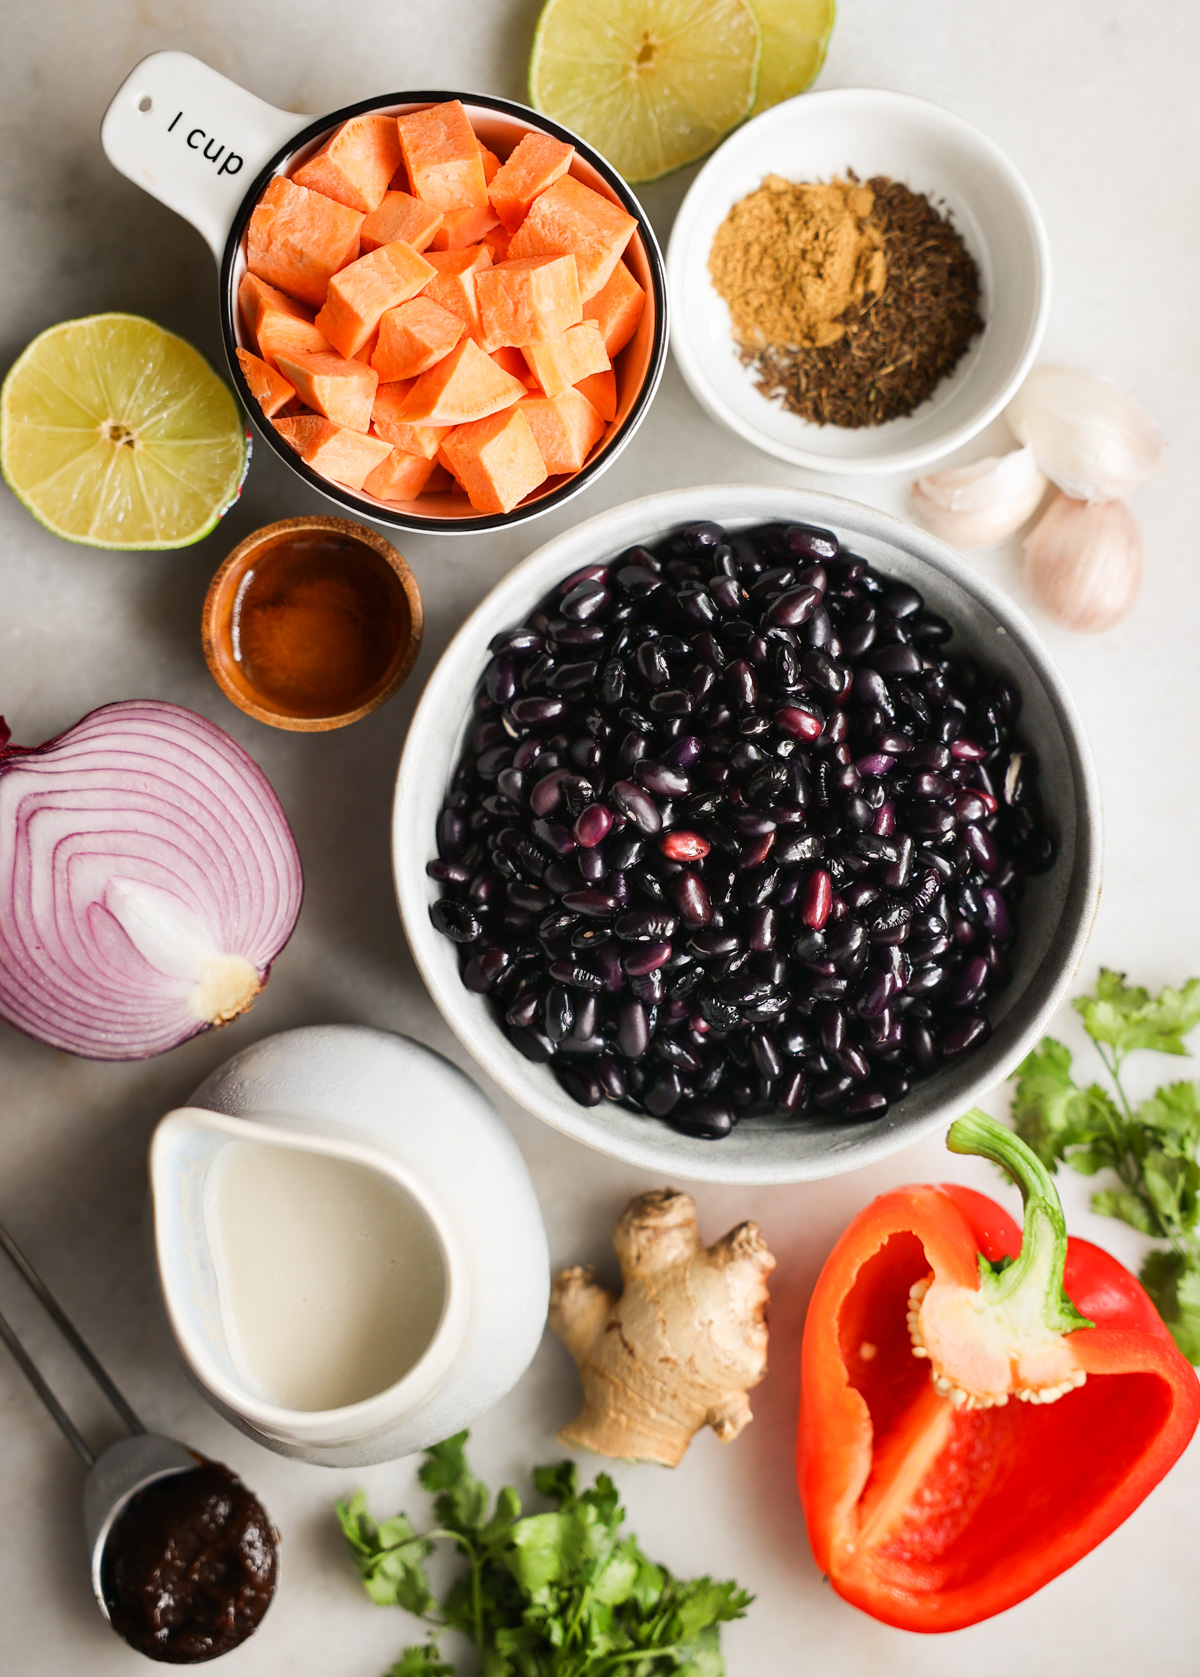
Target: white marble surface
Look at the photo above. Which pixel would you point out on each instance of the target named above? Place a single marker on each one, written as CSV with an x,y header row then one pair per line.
x,y
1094,102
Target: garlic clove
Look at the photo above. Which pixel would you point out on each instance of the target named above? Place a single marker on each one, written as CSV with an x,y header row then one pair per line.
x,y
981,504
1089,438
1084,562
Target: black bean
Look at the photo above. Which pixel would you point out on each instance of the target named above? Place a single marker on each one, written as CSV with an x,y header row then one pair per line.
x,y
707,1118
455,921
842,735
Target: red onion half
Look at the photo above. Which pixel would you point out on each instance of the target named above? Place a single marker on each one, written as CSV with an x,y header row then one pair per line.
x,y
148,878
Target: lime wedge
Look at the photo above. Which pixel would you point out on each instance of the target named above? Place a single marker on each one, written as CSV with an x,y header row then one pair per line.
x,y
795,37
118,434
652,84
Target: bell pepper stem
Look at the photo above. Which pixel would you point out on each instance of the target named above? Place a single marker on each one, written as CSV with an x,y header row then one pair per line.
x,y
1037,1272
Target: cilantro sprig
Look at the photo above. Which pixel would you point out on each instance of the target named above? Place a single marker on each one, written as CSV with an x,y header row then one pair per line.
x,y
1151,1148
555,1594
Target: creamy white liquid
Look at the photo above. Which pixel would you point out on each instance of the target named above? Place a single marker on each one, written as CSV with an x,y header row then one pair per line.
x,y
330,1276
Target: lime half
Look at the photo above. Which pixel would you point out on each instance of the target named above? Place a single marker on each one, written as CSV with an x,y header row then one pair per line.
x,y
652,84
795,37
118,434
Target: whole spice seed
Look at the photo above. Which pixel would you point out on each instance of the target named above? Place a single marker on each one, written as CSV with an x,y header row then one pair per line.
x,y
898,344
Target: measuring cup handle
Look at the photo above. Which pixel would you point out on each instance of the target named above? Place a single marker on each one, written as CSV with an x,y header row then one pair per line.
x,y
193,139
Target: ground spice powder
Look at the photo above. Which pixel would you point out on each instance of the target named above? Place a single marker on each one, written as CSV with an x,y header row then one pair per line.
x,y
895,344
790,260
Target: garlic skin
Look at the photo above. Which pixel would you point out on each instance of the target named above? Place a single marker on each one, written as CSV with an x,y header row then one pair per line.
x,y
981,504
1088,437
1084,562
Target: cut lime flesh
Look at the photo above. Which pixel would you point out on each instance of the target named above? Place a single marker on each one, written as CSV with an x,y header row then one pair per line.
x,y
652,84
795,39
118,434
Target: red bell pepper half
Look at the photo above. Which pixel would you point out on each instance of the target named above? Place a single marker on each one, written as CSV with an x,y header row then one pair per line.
x,y
935,1497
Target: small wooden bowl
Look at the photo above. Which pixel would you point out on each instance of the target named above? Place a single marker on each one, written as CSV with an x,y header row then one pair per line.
x,y
218,624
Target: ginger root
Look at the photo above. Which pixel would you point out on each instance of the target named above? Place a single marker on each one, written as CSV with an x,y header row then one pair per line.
x,y
681,1346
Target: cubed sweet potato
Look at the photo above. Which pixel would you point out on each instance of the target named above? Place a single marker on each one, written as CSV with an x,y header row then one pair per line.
x,y
453,286
400,216
496,460
464,386
569,218
288,334
565,427
601,391
342,390
344,456
355,165
255,297
401,477
298,239
269,388
413,338
442,157
527,300
387,421
558,363
616,308
360,294
536,162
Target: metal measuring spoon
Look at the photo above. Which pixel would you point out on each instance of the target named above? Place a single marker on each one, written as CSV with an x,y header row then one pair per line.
x,y
130,1466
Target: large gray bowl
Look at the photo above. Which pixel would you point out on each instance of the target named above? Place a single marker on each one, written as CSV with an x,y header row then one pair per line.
x,y
1056,914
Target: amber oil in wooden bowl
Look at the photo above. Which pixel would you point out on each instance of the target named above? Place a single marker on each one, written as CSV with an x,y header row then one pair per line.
x,y
312,623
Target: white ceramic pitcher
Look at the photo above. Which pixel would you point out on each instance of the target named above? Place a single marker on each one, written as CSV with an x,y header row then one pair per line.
x,y
389,1105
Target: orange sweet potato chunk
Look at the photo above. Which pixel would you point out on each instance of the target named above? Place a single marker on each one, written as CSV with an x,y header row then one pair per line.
x,y
356,164
344,391
255,297
453,286
400,216
512,361
496,460
298,239
465,227
466,385
601,391
269,388
288,334
442,156
344,456
413,338
558,363
536,163
570,218
401,477
527,300
388,422
566,428
617,308
361,294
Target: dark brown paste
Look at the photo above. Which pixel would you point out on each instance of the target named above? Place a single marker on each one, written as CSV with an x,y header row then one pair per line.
x,y
190,1566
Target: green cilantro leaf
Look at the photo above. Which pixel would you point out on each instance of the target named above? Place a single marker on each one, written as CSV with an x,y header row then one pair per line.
x,y
556,1594
1126,1017
462,1500
1173,1282
421,1660
389,1557
1152,1151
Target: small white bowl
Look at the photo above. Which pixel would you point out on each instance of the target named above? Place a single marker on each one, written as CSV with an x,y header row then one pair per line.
x,y
1057,911
815,137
